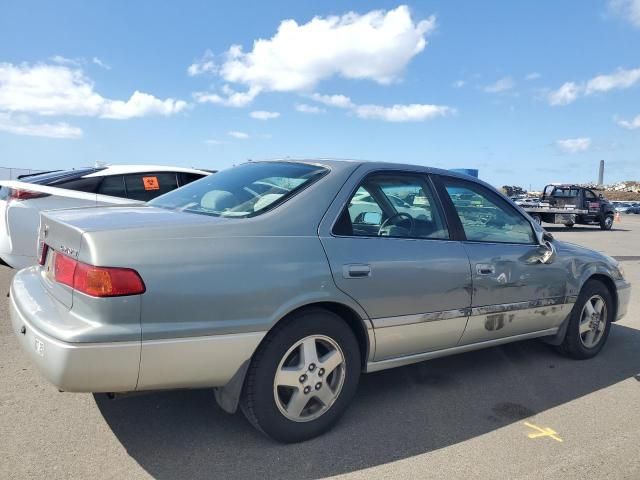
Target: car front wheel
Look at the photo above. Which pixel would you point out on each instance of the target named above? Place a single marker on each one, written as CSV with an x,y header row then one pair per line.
x,y
303,376
590,322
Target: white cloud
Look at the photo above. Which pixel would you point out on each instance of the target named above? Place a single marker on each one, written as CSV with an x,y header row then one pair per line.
x,y
376,46
627,9
59,90
206,64
632,124
415,112
304,108
339,101
238,135
532,76
501,85
570,91
402,113
231,98
100,63
21,125
619,80
574,145
264,115
566,94
459,83
74,62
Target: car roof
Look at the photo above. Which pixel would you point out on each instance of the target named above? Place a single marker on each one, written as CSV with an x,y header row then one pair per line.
x,y
126,169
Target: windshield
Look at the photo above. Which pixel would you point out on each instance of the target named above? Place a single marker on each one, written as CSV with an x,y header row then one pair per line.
x,y
243,191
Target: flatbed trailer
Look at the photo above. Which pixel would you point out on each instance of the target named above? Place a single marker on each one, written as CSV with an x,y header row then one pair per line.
x,y
570,204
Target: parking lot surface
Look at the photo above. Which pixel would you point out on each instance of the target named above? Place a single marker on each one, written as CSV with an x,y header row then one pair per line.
x,y
517,411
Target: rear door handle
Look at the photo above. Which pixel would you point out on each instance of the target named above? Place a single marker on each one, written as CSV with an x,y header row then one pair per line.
x,y
356,271
485,269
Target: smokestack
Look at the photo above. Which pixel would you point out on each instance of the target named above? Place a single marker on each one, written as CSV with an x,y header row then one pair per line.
x,y
601,173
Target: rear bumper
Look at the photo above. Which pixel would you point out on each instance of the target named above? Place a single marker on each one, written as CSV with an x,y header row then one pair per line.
x,y
93,367
118,366
624,294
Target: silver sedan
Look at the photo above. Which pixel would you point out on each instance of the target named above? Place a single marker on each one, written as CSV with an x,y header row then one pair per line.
x,y
279,283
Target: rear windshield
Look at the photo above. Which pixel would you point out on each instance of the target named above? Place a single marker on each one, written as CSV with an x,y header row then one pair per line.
x,y
243,191
565,192
51,178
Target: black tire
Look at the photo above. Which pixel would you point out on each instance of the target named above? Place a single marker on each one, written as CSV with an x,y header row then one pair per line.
x,y
569,225
606,222
572,344
258,399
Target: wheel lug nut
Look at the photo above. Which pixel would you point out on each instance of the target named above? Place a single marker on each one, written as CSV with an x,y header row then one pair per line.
x,y
312,367
303,378
307,389
321,372
318,386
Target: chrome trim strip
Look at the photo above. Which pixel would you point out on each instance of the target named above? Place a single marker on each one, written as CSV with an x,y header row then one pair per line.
x,y
384,322
409,359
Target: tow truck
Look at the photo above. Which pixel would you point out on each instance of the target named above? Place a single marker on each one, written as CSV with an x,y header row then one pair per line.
x,y
570,204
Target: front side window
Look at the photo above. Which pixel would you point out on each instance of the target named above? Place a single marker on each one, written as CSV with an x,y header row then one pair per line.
x,y
243,191
392,205
486,217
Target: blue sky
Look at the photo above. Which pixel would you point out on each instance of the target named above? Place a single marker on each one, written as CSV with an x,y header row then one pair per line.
x,y
528,92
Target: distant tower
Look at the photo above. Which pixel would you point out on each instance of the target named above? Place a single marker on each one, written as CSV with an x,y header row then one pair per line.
x,y
601,173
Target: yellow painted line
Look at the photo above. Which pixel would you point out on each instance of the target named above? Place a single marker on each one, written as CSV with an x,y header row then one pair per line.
x,y
543,432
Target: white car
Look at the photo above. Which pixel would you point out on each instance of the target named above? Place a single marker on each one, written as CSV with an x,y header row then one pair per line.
x,y
22,201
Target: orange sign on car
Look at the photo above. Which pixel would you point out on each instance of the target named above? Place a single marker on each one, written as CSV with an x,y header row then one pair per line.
x,y
151,183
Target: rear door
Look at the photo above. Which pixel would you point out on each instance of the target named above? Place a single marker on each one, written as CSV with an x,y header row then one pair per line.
x,y
513,293
389,248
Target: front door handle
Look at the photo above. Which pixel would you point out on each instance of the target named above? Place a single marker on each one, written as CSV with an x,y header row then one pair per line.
x,y
485,269
356,271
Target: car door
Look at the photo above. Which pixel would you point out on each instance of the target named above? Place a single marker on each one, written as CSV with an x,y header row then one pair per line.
x,y
513,292
399,263
591,203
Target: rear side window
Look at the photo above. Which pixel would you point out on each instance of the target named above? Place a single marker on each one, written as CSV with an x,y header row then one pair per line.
x,y
89,185
243,191
112,185
147,186
485,217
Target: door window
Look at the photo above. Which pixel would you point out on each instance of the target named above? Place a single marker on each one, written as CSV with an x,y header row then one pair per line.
x,y
392,205
112,185
485,217
147,186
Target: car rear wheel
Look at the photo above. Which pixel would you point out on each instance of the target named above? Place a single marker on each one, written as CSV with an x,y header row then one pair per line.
x,y
303,376
590,322
607,222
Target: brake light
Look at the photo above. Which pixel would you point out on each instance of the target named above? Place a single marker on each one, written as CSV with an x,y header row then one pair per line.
x,y
97,281
21,194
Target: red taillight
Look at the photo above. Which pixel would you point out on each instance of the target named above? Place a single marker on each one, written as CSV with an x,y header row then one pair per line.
x,y
97,281
19,194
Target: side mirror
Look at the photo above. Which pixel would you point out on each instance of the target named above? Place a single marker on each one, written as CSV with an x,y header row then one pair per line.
x,y
547,237
600,196
372,218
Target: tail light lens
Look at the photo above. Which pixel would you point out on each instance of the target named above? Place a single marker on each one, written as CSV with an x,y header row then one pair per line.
x,y
20,194
97,281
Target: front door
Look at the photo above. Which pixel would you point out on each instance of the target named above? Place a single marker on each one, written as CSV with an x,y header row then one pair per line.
x,y
513,293
390,250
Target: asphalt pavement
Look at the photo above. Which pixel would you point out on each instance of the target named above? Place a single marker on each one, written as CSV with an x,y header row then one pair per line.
x,y
519,411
